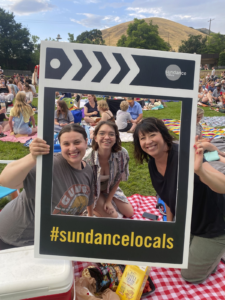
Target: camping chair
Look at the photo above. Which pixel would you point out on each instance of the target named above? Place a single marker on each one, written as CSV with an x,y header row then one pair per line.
x,y
114,105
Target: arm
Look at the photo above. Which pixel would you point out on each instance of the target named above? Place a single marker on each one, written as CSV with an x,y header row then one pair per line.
x,y
108,205
139,118
214,179
15,173
90,210
33,121
10,123
56,122
169,214
104,117
89,114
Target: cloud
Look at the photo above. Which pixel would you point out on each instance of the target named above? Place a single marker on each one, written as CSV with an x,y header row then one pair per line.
x,y
27,7
115,4
97,21
139,10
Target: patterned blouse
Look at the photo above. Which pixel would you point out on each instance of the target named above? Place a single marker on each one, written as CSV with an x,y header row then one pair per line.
x,y
118,166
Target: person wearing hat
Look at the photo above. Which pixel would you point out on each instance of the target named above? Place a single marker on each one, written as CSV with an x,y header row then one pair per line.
x,y
217,93
135,110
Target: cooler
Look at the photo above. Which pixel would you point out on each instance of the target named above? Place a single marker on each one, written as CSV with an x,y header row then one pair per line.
x,y
24,277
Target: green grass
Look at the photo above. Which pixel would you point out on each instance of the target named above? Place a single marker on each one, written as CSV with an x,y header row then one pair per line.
x,y
139,181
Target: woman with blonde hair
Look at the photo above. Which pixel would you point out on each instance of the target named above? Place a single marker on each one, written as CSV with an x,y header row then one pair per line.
x,y
21,113
106,114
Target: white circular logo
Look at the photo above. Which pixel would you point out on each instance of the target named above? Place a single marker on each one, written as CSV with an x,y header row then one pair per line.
x,y
173,72
55,63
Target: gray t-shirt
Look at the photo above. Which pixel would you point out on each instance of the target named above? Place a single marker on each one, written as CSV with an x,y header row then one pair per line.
x,y
61,119
121,119
216,93
72,193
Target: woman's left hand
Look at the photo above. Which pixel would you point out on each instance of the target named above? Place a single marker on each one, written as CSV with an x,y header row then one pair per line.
x,y
108,207
199,151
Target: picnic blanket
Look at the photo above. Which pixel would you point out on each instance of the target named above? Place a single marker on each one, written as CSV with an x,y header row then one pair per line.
x,y
213,121
168,282
14,139
208,132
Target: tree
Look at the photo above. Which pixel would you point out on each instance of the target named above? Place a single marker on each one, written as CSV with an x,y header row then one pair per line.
x,y
222,59
35,56
194,44
15,45
144,36
88,37
216,43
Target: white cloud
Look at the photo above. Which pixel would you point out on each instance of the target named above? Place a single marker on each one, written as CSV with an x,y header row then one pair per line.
x,y
139,10
27,7
97,21
137,16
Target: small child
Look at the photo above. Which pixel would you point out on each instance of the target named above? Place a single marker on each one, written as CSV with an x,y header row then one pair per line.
x,y
123,117
21,113
207,146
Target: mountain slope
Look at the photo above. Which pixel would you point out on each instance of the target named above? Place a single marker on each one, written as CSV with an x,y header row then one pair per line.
x,y
168,30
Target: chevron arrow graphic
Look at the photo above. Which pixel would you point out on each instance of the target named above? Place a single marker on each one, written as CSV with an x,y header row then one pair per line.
x,y
86,66
124,69
105,67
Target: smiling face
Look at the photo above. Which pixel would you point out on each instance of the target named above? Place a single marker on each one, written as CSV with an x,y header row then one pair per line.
x,y
106,137
153,143
73,146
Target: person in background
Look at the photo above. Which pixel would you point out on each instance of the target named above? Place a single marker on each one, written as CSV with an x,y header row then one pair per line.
x,y
154,144
29,94
109,162
21,113
4,125
18,83
106,114
213,73
91,112
63,116
6,94
135,110
211,87
123,119
13,87
217,94
32,87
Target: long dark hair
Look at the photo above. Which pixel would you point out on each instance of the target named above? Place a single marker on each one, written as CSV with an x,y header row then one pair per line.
x,y
64,108
74,128
117,146
149,125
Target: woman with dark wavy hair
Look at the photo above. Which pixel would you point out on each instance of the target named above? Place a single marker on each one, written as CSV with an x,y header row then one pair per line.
x,y
153,143
109,162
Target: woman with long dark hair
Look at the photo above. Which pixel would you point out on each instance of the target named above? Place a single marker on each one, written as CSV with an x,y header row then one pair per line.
x,y
153,143
63,116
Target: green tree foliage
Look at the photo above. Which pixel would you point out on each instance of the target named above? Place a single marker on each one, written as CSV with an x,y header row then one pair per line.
x,y
194,44
35,56
222,59
15,44
88,37
216,43
143,36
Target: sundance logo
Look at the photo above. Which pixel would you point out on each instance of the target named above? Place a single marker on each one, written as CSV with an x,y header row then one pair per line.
x,y
173,72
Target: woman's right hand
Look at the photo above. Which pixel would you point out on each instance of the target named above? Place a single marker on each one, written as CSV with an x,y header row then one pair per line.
x,y
94,113
39,147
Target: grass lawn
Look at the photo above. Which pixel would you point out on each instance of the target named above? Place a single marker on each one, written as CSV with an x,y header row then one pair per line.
x,y
139,181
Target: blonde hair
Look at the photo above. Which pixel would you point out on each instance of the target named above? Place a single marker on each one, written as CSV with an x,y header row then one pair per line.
x,y
200,111
20,106
103,105
124,105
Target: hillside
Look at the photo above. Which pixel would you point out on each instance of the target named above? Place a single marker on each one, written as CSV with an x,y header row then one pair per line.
x,y
168,30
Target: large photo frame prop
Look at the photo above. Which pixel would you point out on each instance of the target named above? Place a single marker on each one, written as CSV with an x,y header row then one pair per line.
x,y
93,69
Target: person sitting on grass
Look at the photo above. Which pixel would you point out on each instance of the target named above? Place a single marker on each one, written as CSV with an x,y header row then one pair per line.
x,y
4,125
70,173
204,96
106,114
109,162
207,146
123,119
63,116
29,95
217,94
135,110
21,113
91,113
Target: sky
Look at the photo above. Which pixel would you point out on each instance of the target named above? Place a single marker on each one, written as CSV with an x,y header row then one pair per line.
x,y
48,18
